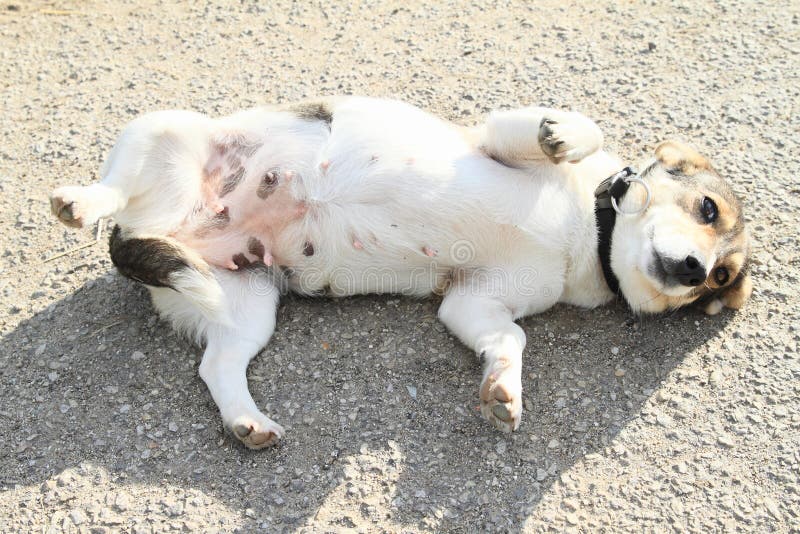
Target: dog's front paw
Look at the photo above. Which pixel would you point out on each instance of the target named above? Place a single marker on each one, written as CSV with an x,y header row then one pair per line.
x,y
256,432
74,206
501,394
569,137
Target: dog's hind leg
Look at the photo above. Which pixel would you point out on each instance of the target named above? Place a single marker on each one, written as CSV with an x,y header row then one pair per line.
x,y
251,298
253,302
157,160
485,324
523,136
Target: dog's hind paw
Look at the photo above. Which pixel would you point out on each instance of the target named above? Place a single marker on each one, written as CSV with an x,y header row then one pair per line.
x,y
501,395
76,206
256,433
569,137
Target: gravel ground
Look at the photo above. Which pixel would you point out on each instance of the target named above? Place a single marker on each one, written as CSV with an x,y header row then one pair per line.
x,y
682,422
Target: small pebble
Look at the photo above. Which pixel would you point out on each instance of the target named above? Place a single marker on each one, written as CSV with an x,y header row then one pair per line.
x,y
77,517
726,442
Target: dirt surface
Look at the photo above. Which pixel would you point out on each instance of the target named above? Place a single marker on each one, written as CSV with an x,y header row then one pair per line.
x,y
681,422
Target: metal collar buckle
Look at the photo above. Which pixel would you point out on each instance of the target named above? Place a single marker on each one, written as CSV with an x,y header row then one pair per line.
x,y
627,176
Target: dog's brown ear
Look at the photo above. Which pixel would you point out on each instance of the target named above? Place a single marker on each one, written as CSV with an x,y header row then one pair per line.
x,y
734,296
680,157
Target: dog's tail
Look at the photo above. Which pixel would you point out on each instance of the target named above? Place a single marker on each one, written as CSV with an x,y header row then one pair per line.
x,y
160,261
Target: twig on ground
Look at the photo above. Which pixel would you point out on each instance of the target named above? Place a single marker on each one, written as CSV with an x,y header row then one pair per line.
x,y
98,234
60,12
102,328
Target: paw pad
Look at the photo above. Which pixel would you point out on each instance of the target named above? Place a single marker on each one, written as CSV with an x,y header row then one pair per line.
x,y
256,435
549,141
501,401
64,210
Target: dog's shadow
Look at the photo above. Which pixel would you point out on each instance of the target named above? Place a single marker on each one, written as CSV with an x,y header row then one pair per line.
x,y
378,400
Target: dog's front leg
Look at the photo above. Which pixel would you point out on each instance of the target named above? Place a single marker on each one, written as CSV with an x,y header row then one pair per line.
x,y
521,136
485,324
224,370
248,302
252,301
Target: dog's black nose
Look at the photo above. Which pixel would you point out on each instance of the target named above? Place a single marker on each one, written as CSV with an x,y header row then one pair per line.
x,y
690,272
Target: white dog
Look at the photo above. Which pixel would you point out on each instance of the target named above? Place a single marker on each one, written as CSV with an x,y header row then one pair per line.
x,y
359,195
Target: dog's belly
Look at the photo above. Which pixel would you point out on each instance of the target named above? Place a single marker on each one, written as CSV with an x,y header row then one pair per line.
x,y
364,208
235,229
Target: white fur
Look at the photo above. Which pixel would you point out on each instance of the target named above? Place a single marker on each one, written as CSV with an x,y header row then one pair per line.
x,y
398,201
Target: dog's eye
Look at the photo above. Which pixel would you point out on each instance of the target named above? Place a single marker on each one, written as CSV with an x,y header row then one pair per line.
x,y
708,210
721,275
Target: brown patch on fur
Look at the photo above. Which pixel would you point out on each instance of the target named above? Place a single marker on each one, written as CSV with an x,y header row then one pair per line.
x,y
247,150
232,160
313,111
228,155
231,181
151,260
241,261
681,158
256,247
728,217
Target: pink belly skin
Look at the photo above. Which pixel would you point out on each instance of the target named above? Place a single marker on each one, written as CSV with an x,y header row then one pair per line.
x,y
242,209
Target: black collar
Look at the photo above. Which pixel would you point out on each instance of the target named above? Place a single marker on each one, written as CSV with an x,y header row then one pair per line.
x,y
613,187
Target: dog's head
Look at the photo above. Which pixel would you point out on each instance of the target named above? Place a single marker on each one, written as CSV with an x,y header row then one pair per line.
x,y
689,245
